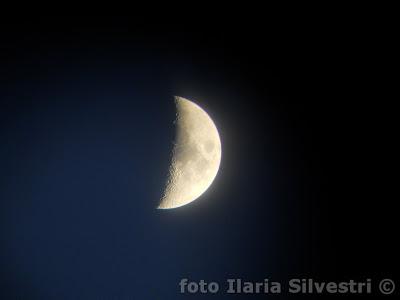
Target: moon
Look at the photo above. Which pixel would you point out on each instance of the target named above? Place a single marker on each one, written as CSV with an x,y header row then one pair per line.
x,y
196,155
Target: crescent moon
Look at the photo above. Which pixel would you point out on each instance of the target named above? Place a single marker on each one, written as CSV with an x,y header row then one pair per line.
x,y
196,155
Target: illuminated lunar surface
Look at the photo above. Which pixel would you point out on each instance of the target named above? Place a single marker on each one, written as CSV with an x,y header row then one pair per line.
x,y
196,155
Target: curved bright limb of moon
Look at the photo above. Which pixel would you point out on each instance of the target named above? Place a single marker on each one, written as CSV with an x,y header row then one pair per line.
x,y
196,155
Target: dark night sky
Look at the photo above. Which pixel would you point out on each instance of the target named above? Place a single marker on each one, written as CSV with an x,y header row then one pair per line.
x,y
86,122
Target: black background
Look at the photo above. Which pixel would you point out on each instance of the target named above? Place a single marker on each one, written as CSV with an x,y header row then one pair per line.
x,y
307,120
